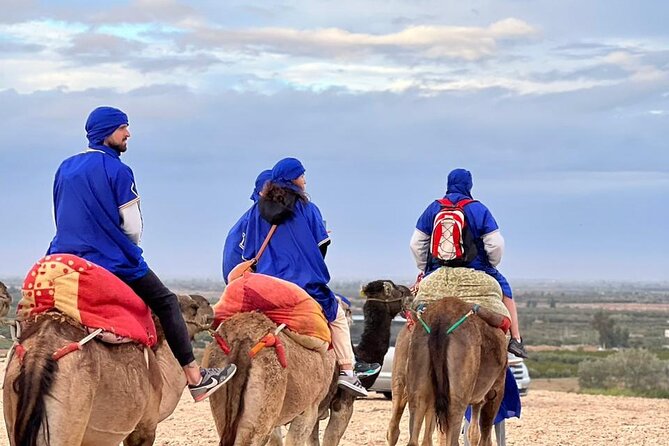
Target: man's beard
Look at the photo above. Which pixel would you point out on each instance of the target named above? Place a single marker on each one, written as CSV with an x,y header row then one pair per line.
x,y
122,147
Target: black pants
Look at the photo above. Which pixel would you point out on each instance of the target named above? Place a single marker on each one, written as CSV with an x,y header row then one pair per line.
x,y
165,305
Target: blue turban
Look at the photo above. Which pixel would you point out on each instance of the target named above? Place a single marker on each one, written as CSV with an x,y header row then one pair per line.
x,y
287,170
102,122
460,181
263,178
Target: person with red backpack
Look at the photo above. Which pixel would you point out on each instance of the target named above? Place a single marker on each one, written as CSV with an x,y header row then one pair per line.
x,y
459,231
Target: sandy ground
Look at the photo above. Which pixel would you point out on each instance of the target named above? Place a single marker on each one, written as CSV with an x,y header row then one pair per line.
x,y
549,418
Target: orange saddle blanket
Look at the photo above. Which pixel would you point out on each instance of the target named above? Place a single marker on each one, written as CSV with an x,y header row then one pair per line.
x,y
281,301
87,293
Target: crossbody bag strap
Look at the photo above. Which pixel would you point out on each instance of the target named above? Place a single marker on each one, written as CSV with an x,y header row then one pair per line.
x,y
265,243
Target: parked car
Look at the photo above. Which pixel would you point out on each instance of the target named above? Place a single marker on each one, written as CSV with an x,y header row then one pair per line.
x,y
383,383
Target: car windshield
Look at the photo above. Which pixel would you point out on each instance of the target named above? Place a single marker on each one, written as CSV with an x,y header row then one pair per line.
x,y
359,325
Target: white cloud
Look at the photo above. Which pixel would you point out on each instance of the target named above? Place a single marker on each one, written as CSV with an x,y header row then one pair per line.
x,y
431,42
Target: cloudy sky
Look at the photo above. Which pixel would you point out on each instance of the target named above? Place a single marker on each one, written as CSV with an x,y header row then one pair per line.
x,y
559,109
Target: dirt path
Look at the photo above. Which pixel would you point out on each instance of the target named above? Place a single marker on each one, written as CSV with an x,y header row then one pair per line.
x,y
549,418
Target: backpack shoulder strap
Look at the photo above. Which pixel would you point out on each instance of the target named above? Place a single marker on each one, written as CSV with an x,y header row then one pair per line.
x,y
445,202
462,203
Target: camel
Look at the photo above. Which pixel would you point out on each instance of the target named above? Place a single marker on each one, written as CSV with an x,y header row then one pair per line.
x,y
101,395
439,375
262,396
383,301
5,300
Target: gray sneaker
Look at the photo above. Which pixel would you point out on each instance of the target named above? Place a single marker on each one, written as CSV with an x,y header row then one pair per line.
x,y
212,380
351,384
363,369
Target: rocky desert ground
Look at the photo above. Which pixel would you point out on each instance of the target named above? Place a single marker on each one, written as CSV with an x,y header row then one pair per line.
x,y
549,418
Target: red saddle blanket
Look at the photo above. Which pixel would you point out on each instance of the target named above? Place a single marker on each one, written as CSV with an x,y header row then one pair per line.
x,y
87,293
282,301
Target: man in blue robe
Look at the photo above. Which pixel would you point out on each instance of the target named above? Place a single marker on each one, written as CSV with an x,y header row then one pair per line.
x,y
488,239
98,218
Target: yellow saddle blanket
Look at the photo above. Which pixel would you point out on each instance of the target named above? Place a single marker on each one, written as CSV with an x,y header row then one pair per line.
x,y
468,285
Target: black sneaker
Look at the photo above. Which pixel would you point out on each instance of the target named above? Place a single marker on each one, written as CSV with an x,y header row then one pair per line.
x,y
363,369
351,384
212,380
517,348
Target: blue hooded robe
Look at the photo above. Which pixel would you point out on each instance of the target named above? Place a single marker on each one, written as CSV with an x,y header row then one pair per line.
x,y
89,191
479,219
510,406
293,253
234,242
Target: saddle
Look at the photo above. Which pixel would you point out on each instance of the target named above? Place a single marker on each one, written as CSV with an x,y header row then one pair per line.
x,y
470,286
88,294
281,301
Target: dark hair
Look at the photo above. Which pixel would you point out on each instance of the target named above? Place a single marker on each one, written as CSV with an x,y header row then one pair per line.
x,y
282,195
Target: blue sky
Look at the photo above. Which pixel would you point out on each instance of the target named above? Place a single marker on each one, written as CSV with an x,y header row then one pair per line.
x,y
559,109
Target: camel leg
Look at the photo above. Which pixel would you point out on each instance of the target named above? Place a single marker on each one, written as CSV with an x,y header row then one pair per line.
x,y
301,427
402,346
276,439
430,424
417,411
488,413
313,438
141,437
456,413
399,404
339,420
474,431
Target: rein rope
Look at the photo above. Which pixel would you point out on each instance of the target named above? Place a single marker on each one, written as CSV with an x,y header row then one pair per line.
x,y
387,301
421,309
269,340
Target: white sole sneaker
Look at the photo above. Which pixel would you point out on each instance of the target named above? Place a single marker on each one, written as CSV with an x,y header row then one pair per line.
x,y
204,396
352,388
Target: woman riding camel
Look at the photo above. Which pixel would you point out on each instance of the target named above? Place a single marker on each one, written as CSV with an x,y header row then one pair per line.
x,y
296,253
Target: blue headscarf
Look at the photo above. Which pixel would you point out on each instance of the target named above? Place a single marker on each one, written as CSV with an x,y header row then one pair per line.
x,y
287,170
460,182
263,178
102,122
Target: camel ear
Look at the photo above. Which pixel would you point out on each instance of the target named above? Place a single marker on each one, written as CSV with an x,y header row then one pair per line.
x,y
200,300
388,288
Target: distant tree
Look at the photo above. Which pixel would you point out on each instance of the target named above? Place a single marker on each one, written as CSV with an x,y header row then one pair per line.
x,y
636,370
609,335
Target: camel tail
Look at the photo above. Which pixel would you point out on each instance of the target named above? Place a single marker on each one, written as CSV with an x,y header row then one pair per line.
x,y
32,386
234,391
438,348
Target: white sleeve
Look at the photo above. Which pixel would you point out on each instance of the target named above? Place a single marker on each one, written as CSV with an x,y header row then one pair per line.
x,y
493,243
131,222
420,248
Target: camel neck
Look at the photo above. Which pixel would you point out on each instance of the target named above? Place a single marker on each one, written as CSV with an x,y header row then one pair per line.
x,y
375,338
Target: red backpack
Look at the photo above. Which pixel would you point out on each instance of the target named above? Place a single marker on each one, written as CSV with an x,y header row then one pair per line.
x,y
452,243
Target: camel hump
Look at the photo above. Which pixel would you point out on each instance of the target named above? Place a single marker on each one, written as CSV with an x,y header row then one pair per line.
x,y
90,295
469,285
281,301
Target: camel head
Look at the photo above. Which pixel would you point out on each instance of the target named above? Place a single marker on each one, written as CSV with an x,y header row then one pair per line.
x,y
5,300
385,293
197,312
